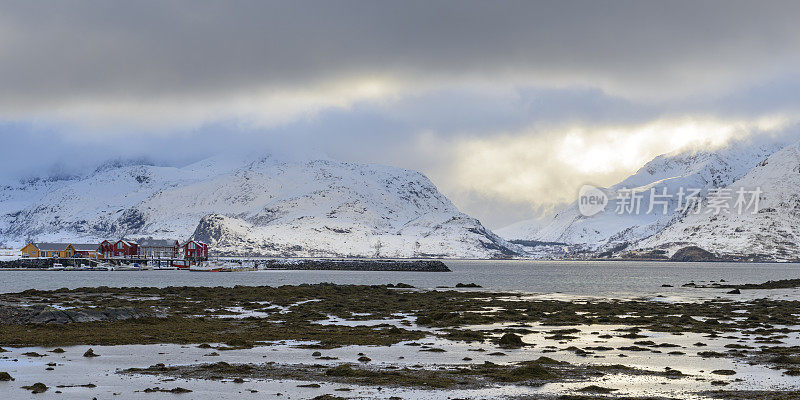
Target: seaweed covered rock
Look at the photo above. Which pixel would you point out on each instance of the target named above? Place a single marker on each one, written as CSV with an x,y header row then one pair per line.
x,y
90,353
510,340
42,314
37,388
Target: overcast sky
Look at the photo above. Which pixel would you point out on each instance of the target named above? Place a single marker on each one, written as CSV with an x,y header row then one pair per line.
x,y
508,106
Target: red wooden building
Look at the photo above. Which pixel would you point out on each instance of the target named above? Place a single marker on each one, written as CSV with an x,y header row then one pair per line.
x,y
125,249
194,248
106,249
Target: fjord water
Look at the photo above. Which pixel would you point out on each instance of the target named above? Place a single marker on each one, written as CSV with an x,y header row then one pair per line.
x,y
575,278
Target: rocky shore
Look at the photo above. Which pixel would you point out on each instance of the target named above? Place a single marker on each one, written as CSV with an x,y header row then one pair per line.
x,y
43,314
327,337
779,284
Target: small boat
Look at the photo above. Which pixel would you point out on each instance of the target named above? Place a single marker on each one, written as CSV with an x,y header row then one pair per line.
x,y
164,265
57,267
222,266
212,266
243,268
128,267
103,267
142,267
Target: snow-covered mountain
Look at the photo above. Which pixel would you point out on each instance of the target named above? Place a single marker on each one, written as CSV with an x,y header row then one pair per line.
x,y
263,206
766,228
616,228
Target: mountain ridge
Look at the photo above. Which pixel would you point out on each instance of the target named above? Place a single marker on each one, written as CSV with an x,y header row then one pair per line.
x,y
765,230
261,206
701,169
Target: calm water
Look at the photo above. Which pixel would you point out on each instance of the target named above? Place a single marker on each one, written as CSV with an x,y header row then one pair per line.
x,y
572,278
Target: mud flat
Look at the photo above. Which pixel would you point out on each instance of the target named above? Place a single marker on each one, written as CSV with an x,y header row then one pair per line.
x,y
533,373
384,341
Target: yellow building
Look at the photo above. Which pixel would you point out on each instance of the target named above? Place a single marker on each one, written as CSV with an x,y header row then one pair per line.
x,y
30,251
59,250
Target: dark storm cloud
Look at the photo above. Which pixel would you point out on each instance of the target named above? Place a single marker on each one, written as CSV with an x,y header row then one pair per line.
x,y
72,51
416,84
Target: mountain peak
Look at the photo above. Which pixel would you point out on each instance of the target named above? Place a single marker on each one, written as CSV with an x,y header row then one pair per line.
x,y
117,163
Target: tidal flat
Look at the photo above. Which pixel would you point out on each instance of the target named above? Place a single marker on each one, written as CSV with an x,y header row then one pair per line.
x,y
391,341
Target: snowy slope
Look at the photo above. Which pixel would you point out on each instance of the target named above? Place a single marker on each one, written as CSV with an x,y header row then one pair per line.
x,y
265,206
528,228
770,231
696,169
